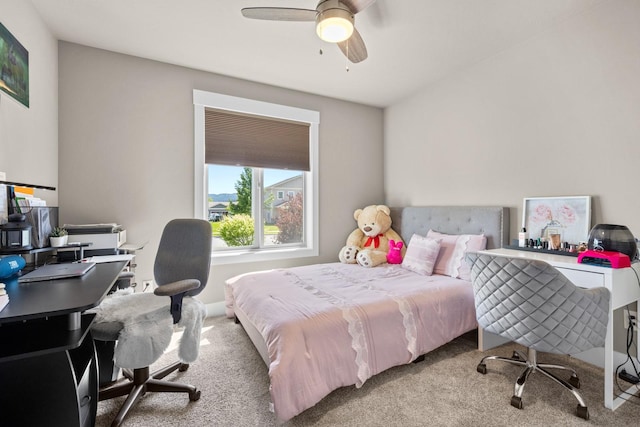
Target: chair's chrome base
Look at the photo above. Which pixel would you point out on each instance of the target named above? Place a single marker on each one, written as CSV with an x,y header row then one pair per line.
x,y
138,382
530,362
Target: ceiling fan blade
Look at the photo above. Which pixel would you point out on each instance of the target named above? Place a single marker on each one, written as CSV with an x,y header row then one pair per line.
x,y
279,13
357,5
354,48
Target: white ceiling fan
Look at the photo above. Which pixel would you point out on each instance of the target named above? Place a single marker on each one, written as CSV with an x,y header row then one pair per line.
x,y
335,22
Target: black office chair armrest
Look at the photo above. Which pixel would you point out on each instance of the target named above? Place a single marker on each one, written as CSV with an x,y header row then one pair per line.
x,y
177,290
178,287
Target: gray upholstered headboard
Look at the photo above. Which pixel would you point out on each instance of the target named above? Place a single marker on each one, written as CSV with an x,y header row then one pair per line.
x,y
493,221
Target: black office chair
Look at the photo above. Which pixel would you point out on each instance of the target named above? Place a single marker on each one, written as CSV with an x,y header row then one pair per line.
x,y
181,271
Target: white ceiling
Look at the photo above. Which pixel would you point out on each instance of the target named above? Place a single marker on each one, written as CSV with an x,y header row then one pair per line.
x,y
411,43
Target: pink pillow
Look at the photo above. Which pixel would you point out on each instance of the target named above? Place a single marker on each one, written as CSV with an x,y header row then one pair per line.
x,y
453,249
421,255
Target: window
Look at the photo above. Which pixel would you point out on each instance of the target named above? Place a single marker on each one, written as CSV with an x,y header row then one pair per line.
x,y
256,167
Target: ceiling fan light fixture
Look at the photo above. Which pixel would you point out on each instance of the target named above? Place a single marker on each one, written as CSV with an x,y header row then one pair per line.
x,y
334,25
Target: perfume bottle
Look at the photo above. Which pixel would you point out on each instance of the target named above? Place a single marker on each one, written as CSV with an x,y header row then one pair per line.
x,y
522,238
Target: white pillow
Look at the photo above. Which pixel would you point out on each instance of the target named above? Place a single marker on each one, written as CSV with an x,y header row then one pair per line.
x,y
454,248
421,254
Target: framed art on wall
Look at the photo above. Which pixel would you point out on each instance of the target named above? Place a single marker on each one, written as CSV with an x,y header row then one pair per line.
x,y
14,67
569,217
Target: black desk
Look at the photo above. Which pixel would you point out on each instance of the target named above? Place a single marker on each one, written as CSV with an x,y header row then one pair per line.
x,y
48,370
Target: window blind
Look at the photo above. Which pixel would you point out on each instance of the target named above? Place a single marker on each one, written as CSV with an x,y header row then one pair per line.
x,y
244,140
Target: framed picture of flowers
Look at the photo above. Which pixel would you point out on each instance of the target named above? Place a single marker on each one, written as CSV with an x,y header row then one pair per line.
x,y
570,217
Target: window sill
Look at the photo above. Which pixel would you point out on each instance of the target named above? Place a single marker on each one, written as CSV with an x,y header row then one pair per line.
x,y
253,255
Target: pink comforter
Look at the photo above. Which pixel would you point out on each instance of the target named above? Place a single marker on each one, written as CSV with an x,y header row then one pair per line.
x,y
333,325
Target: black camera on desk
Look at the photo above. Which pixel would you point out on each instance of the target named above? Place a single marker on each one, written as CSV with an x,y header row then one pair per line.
x,y
28,226
15,235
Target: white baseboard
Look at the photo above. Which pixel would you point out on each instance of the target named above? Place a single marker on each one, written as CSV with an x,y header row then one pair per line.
x,y
595,356
216,309
488,340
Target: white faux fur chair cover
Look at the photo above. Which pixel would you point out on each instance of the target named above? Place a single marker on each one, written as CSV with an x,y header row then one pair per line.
x,y
147,327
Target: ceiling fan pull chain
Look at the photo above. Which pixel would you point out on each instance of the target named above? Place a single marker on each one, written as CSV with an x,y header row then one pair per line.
x,y
346,58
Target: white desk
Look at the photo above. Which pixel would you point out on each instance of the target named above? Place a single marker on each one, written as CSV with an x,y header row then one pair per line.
x,y
624,287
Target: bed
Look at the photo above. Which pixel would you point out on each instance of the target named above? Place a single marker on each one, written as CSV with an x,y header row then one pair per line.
x,y
325,326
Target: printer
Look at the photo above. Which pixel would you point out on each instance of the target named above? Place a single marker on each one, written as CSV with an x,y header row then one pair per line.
x,y
104,239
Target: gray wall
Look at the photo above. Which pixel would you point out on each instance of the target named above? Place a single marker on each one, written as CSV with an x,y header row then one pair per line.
x,y
29,136
126,150
557,115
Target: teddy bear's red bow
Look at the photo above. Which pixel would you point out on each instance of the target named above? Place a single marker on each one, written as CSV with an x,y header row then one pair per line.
x,y
375,240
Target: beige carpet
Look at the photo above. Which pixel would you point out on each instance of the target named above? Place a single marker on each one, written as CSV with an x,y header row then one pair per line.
x,y
443,390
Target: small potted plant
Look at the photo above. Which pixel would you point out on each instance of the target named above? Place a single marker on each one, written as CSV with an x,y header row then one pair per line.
x,y
58,237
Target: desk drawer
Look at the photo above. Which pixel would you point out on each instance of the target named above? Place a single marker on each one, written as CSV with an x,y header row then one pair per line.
x,y
584,279
85,396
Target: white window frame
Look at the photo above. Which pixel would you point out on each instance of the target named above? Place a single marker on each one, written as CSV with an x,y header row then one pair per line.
x,y
202,99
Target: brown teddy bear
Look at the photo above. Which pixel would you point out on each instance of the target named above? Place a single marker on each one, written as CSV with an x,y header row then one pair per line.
x,y
369,243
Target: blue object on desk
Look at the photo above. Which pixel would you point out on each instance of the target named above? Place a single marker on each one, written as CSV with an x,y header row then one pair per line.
x,y
11,265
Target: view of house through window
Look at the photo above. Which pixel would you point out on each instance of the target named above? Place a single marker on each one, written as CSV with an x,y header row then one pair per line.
x,y
243,198
256,177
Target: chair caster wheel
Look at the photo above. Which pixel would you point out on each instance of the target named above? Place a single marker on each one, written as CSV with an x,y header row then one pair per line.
x,y
582,412
516,402
194,395
574,381
183,367
482,368
515,355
